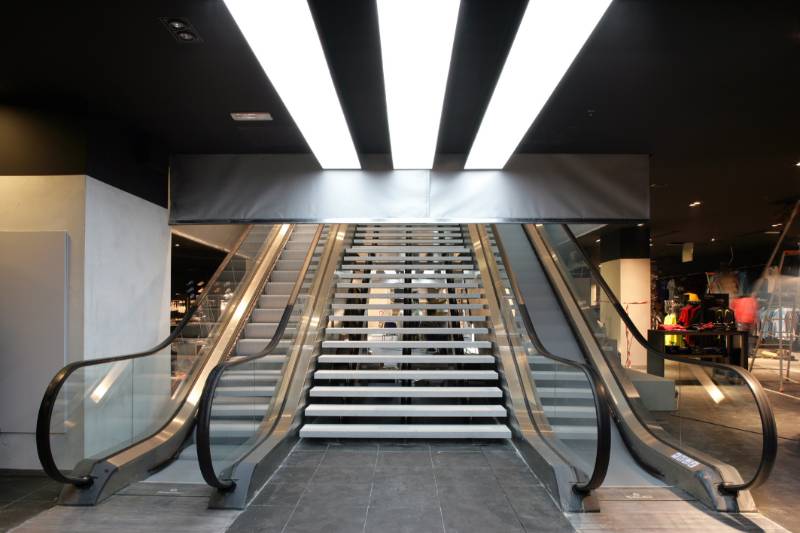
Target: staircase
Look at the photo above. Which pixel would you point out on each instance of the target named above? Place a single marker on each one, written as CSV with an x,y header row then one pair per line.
x,y
407,351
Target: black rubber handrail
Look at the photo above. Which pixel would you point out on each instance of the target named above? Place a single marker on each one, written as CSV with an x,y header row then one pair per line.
x,y
599,393
769,449
205,406
43,420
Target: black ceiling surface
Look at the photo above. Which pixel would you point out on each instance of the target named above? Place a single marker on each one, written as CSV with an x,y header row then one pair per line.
x,y
708,88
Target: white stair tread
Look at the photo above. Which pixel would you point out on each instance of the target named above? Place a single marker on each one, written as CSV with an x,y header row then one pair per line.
x,y
406,344
406,392
409,295
413,359
406,374
430,307
405,331
401,285
406,249
386,258
406,431
373,318
401,275
445,410
410,266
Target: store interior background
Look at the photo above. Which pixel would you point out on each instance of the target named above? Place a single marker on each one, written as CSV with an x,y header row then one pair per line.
x,y
103,95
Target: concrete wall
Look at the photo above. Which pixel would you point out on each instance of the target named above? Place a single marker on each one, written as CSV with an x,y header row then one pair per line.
x,y
117,293
126,310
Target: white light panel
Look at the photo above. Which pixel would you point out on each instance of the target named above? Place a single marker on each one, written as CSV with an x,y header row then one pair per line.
x,y
550,35
416,45
284,39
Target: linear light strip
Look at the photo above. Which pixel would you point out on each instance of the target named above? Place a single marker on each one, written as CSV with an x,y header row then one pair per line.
x,y
550,36
284,39
416,45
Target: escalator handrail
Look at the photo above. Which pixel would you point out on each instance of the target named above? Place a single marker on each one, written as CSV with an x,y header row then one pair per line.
x,y
43,420
602,404
205,406
769,447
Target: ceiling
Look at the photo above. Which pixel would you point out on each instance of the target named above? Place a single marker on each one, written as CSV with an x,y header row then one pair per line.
x,y
708,88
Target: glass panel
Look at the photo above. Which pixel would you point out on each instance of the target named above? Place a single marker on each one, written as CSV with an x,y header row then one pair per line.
x,y
562,391
104,408
245,392
700,408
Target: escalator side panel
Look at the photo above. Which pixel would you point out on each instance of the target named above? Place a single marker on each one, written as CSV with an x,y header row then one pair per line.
x,y
650,453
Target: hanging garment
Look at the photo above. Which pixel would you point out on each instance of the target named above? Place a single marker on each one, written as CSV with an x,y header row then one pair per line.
x,y
671,340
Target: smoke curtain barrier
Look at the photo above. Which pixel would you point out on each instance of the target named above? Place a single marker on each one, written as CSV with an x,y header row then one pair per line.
x,y
532,187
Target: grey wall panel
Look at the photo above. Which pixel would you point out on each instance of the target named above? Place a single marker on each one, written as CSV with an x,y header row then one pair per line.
x,y
33,322
546,187
289,188
236,188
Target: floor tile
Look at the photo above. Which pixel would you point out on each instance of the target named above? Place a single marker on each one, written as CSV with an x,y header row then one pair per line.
x,y
412,459
344,494
16,513
280,494
404,520
262,519
405,492
343,474
293,474
463,517
317,518
356,458
304,458
459,460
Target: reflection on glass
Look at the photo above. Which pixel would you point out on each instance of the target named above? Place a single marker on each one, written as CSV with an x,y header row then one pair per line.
x,y
104,408
705,409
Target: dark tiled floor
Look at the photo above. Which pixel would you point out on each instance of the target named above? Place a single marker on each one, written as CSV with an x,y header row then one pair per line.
x,y
387,487
23,496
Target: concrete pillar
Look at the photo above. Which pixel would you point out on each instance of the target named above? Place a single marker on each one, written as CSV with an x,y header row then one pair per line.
x,y
625,265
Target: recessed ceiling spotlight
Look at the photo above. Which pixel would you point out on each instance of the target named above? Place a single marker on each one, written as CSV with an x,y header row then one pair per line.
x,y
253,116
177,244
778,225
797,164
598,240
695,203
713,239
640,225
181,29
176,24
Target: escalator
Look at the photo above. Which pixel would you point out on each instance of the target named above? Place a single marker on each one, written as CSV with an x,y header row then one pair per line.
x,y
481,332
702,428
106,423
416,332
